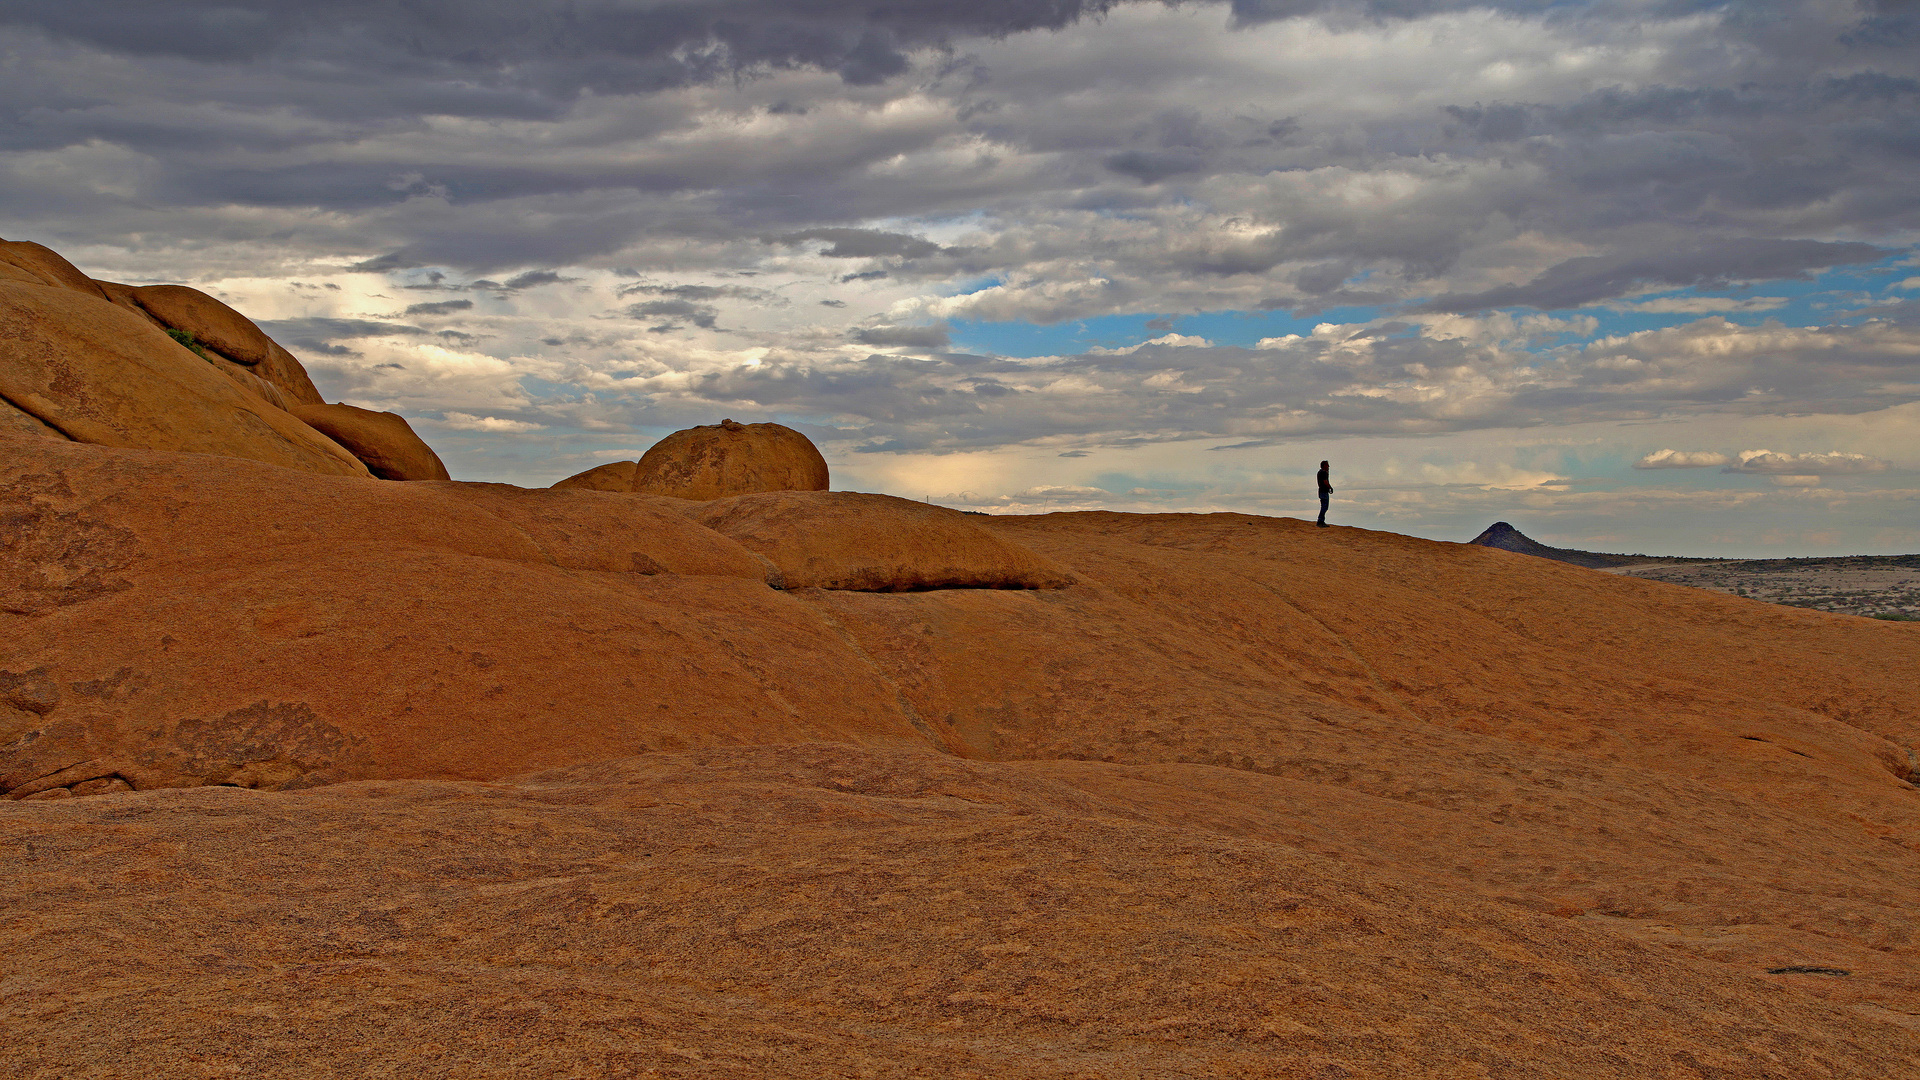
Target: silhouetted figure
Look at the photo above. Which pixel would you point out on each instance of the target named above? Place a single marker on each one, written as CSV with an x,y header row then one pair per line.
x,y
1326,492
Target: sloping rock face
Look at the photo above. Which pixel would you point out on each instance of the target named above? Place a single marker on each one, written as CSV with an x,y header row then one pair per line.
x,y
1241,796
222,330
874,543
35,264
716,461
93,361
96,373
571,624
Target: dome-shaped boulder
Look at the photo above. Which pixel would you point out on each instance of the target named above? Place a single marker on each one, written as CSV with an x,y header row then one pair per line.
x,y
716,461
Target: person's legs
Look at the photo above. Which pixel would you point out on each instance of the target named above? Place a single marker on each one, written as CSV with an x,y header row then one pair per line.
x,y
1323,509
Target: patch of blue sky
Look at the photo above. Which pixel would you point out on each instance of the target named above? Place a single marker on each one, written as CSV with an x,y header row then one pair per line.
x,y
1835,296
1245,328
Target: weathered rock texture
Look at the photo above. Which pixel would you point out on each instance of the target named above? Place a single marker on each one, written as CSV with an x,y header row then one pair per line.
x,y
715,461
1242,798
384,441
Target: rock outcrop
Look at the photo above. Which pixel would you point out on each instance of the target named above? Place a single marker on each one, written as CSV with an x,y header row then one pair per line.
x,y
715,461
384,441
96,373
234,337
613,476
120,365
213,324
29,263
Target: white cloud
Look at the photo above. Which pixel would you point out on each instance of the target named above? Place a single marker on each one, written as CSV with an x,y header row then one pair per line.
x,y
1681,459
1836,462
1703,305
460,421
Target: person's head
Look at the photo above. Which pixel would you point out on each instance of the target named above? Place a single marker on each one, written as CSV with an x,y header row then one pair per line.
x,y
1323,464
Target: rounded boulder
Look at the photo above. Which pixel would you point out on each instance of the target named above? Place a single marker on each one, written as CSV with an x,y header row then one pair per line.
x,y
716,461
212,323
383,440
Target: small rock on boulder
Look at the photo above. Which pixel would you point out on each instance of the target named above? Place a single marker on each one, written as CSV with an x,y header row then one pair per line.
x,y
716,461
383,440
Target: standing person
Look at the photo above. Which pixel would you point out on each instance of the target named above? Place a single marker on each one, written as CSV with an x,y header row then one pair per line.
x,y
1326,491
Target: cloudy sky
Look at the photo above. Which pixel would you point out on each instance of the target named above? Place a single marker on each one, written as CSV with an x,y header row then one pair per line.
x,y
1633,275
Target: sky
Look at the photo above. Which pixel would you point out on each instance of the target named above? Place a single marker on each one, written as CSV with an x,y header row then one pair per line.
x,y
1633,275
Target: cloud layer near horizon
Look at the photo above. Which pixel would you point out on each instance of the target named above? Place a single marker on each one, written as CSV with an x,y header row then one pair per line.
x,y
595,220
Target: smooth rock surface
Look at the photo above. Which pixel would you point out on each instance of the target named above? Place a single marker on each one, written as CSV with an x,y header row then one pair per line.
x,y
384,441
613,476
874,543
50,265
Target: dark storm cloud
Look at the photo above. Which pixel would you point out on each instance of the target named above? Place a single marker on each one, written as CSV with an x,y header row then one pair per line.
x,y
1592,278
1153,166
323,336
1254,12
439,307
1617,108
301,330
534,278
384,263
699,292
546,48
699,315
908,337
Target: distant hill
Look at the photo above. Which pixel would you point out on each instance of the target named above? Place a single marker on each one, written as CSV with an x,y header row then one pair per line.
x,y
1876,586
1507,538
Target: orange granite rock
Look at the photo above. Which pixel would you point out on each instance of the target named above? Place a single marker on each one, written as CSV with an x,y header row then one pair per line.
x,y
384,441
715,461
